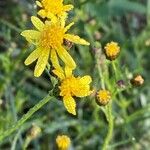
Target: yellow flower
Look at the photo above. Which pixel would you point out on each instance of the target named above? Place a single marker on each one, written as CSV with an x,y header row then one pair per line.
x,y
48,39
112,50
55,7
63,142
103,97
72,86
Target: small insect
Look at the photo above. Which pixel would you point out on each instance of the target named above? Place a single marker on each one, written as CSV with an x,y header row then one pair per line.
x,y
68,44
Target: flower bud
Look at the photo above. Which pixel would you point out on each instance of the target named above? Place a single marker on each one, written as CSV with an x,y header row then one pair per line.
x,y
34,131
121,84
103,97
112,50
137,80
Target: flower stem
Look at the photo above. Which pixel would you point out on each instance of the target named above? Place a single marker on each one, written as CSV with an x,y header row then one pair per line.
x,y
27,142
25,117
114,69
99,66
101,76
110,127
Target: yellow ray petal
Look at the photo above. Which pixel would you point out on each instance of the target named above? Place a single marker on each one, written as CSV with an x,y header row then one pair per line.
x,y
30,34
76,39
69,26
59,74
86,80
38,3
68,71
83,87
30,41
42,13
63,18
67,7
37,23
82,91
53,18
41,63
70,104
54,60
33,56
66,58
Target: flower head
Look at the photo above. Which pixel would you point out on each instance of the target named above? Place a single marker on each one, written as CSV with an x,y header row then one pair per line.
x,y
48,39
103,97
112,50
137,80
63,142
72,86
53,7
34,131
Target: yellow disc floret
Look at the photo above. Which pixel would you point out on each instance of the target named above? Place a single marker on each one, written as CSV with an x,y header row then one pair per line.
x,y
103,97
63,142
52,36
112,50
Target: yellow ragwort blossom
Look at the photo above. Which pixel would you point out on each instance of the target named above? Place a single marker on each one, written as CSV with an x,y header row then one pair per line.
x,y
55,7
103,97
63,142
48,39
72,86
112,50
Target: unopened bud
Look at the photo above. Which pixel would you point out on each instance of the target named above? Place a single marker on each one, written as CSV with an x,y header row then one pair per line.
x,y
34,131
112,50
137,80
103,97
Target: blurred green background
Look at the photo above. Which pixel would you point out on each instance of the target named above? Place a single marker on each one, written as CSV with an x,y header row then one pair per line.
x,y
124,21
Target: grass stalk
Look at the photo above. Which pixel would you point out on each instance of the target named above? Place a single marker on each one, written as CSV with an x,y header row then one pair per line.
x,y
25,117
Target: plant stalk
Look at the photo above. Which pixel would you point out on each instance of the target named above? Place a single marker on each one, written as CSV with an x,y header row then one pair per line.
x,y
25,117
110,127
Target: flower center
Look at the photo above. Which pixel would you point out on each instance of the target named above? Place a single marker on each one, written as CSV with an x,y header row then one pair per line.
x,y
51,36
68,85
112,49
53,6
104,95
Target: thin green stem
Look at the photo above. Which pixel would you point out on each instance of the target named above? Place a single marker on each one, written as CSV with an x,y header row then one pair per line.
x,y
114,69
25,117
27,142
13,147
122,143
97,56
101,76
110,127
